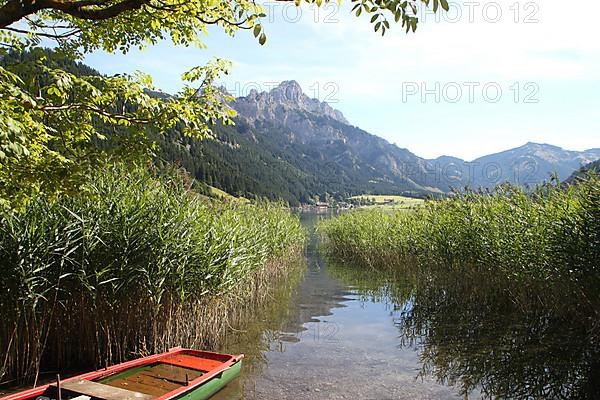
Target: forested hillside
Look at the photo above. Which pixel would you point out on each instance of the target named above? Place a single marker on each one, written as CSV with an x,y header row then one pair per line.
x,y
250,162
581,172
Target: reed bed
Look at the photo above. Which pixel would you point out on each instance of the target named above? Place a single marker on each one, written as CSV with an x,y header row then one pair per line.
x,y
135,265
550,234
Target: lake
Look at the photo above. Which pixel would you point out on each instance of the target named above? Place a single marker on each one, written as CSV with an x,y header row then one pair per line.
x,y
347,332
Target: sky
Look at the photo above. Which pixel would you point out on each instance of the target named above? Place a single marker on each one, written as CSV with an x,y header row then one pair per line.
x,y
485,77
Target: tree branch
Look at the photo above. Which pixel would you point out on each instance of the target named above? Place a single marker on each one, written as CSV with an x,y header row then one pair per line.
x,y
95,10
15,10
79,106
48,35
90,11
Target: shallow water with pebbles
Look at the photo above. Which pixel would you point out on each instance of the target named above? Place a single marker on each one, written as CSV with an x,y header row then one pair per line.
x,y
330,343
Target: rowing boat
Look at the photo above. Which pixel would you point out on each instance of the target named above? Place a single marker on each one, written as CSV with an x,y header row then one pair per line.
x,y
181,374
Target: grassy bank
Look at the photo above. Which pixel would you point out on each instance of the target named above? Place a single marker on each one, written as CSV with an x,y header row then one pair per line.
x,y
134,265
550,234
387,199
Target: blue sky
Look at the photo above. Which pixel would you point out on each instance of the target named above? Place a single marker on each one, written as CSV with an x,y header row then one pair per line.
x,y
487,77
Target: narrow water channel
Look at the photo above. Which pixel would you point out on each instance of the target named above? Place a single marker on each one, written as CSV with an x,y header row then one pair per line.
x,y
345,332
329,343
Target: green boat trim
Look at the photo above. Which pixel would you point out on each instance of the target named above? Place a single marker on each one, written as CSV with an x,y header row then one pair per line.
x,y
210,388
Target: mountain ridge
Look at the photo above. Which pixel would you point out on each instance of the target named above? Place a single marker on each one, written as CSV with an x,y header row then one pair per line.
x,y
285,106
529,143
527,165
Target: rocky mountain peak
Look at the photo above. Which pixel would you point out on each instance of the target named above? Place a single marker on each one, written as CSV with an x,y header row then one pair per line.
x,y
282,102
287,91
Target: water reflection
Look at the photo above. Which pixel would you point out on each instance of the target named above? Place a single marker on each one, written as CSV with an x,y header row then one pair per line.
x,y
489,338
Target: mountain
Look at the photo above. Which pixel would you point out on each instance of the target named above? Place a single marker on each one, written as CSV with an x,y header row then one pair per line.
x,y
315,132
285,145
526,165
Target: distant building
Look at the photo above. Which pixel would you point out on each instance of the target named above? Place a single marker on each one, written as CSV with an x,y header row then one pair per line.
x,y
321,204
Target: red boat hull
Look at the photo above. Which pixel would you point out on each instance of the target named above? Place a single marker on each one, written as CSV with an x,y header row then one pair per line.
x,y
202,366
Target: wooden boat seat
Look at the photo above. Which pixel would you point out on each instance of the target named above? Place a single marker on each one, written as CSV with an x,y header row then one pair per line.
x,y
101,391
192,362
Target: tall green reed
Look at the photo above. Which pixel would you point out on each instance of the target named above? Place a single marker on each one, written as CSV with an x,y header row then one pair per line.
x,y
134,265
550,234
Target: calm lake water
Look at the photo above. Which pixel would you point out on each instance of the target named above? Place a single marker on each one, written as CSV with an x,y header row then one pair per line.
x,y
346,332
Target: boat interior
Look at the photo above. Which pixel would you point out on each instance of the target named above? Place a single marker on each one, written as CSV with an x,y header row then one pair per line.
x,y
143,382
